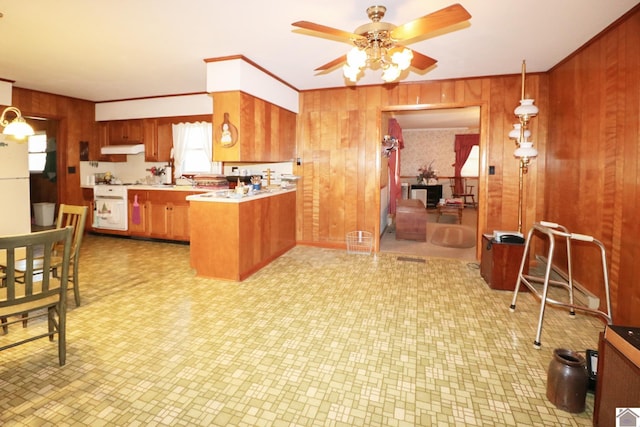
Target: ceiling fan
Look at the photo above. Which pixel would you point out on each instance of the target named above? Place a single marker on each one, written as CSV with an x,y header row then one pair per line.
x,y
379,44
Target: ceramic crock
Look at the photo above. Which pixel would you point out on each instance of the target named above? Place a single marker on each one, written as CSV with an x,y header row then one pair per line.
x,y
567,380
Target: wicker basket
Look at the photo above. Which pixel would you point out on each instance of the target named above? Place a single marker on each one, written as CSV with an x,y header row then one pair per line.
x,y
359,242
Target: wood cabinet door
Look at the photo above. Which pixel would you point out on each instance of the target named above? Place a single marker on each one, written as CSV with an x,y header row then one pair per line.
x,y
164,141
126,131
151,140
135,131
101,139
138,227
158,218
179,221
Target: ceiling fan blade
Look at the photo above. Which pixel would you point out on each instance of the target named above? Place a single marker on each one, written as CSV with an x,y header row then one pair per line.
x,y
437,20
330,65
327,30
420,61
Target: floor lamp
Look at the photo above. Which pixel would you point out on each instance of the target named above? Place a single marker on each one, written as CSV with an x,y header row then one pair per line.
x,y
521,133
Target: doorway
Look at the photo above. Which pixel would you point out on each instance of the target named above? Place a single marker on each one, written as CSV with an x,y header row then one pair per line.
x,y
429,135
43,172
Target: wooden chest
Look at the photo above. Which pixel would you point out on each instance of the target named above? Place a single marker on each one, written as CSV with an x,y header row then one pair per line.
x,y
411,220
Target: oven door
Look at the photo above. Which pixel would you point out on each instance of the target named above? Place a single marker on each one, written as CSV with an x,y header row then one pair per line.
x,y
110,214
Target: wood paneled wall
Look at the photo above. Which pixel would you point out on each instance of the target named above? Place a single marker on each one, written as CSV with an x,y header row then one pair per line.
x,y
76,120
593,160
339,140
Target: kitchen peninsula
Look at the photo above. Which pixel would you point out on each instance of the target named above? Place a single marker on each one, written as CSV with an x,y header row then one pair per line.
x,y
234,236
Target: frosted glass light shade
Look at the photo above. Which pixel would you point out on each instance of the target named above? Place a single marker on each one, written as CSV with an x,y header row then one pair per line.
x,y
525,150
356,58
402,59
526,108
391,73
515,133
18,128
351,72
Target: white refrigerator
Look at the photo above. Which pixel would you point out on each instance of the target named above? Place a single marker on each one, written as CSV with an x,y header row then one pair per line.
x,y
15,205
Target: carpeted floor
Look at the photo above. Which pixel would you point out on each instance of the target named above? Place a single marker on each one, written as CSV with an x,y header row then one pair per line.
x,y
388,242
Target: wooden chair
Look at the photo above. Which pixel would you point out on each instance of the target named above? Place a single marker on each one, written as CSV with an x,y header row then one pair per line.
x,y
461,189
37,292
75,217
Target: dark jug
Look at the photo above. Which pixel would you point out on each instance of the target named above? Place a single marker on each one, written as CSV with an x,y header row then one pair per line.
x,y
567,380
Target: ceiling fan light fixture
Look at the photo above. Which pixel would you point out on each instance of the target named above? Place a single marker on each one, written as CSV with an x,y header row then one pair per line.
x,y
391,73
379,44
402,59
356,58
351,73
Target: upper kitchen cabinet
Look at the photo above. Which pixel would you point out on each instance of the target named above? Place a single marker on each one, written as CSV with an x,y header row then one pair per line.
x,y
101,139
246,128
126,131
152,150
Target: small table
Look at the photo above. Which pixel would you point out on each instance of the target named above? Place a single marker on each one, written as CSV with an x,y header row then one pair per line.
x,y
450,210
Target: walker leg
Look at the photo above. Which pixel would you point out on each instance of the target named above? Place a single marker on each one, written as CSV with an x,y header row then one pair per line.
x,y
543,300
512,307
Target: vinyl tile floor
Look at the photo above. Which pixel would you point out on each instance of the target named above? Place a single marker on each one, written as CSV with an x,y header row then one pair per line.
x,y
319,337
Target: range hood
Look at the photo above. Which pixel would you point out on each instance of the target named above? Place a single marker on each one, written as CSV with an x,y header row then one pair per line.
x,y
123,149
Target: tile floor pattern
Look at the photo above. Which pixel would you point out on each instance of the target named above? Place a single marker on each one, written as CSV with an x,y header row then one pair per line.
x,y
317,338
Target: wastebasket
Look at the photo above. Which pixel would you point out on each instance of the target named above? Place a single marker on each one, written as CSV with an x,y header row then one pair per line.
x,y
44,213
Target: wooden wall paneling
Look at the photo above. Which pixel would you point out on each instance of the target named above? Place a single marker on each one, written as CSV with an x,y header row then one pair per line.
x,y
273,121
371,199
332,192
262,136
474,88
76,119
448,92
498,96
247,125
593,149
628,113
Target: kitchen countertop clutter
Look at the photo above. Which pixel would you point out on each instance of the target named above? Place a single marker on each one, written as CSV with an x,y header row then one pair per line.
x,y
233,196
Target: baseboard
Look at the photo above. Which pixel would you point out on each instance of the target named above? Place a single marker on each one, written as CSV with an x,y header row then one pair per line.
x,y
581,294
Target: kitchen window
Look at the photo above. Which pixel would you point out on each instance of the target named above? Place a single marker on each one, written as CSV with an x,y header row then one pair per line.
x,y
192,144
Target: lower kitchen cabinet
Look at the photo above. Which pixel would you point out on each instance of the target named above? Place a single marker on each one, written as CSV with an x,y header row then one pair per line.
x,y
139,226
163,214
168,215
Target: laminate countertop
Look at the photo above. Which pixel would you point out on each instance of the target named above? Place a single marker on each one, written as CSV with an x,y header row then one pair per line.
x,y
159,187
229,196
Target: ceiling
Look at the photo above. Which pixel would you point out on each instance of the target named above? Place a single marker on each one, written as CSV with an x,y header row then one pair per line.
x,y
123,49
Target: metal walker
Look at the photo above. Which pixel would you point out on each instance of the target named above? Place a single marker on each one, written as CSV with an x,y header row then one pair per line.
x,y
551,231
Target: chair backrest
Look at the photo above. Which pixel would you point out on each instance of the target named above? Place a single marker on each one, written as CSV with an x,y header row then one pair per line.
x,y
76,217
37,290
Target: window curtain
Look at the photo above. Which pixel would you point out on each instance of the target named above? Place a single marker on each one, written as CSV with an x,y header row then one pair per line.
x,y
181,134
395,186
463,146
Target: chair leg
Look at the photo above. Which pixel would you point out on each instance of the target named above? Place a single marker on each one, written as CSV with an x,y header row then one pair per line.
x,y
5,328
25,319
76,284
62,336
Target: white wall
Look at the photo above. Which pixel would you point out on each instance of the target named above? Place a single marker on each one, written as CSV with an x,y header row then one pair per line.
x,y
163,106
